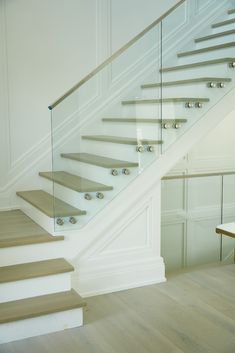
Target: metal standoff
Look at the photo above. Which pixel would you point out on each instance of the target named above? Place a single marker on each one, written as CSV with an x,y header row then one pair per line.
x,y
177,126
150,149
166,126
72,220
140,149
99,195
221,85
114,172
232,64
59,221
87,197
189,105
198,105
126,171
211,84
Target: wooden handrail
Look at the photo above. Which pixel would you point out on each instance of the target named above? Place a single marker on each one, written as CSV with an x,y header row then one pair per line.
x,y
114,56
199,175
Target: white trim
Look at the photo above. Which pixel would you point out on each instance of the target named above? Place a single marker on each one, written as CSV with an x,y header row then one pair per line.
x,y
101,280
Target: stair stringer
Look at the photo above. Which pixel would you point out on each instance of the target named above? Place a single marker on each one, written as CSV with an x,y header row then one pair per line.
x,y
101,268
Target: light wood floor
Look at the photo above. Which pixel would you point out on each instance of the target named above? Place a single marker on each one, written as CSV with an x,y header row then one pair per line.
x,y
194,312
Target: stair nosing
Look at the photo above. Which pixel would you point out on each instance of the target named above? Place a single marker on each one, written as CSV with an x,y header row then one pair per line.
x,y
40,306
134,142
165,100
223,23
215,35
188,81
29,240
144,120
98,187
119,163
32,270
198,64
207,49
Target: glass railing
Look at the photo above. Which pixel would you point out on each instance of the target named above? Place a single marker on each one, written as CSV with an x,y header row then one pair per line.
x,y
119,119
192,207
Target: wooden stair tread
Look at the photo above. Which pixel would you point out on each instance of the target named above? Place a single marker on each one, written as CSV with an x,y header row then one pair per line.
x,y
198,64
17,229
226,229
122,140
143,120
223,23
215,35
49,205
29,240
183,82
231,11
34,270
99,160
39,306
75,182
207,49
165,100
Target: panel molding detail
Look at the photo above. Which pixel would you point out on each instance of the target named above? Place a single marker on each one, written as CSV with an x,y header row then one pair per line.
x,y
127,255
5,146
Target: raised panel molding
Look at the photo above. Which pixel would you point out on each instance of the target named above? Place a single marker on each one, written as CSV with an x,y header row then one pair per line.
x,y
4,100
201,5
127,255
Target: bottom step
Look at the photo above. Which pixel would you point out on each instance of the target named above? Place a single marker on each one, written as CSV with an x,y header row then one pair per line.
x,y
40,315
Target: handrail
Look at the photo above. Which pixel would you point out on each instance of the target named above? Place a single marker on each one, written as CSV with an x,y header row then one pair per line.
x,y
115,55
199,175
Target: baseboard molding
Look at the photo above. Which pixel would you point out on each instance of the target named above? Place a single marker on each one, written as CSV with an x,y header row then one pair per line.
x,y
103,280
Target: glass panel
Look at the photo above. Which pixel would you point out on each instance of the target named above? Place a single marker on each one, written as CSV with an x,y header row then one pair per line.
x,y
228,243
121,118
105,133
203,216
191,211
190,87
173,235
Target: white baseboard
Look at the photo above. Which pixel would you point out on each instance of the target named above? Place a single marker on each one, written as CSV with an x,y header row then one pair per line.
x,y
104,280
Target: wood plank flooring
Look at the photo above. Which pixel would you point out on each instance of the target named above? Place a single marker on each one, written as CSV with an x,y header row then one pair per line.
x,y
193,312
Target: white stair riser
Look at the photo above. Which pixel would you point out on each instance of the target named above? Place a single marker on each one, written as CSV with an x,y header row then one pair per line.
x,y
41,325
119,151
232,15
210,55
102,175
30,253
34,287
150,130
223,28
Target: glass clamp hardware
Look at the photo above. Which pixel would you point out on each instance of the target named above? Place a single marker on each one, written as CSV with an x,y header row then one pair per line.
x,y
60,221
99,195
72,220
